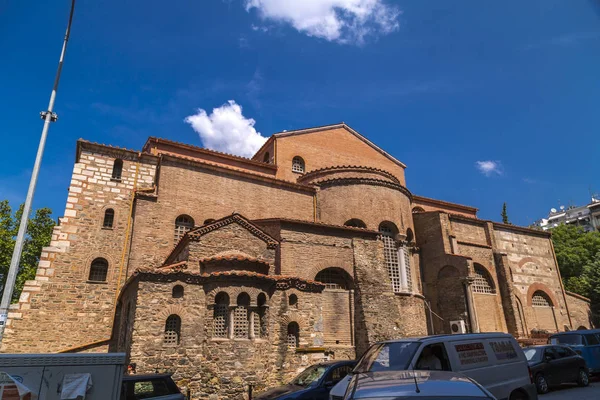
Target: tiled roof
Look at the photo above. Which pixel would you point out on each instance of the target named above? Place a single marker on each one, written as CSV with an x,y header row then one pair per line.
x,y
321,224
233,257
84,141
205,150
351,167
417,198
370,181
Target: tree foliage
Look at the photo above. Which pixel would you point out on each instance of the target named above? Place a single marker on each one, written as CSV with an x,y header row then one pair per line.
x,y
39,233
504,215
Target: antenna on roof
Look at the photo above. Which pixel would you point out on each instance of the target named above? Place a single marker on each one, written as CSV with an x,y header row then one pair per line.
x,y
416,383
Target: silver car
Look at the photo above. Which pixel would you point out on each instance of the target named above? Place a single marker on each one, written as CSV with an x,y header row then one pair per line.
x,y
422,385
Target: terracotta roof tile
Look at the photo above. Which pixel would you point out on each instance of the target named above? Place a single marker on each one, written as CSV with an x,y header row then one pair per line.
x,y
323,224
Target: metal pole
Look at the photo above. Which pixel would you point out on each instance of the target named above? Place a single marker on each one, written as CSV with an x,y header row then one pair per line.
x,y
47,116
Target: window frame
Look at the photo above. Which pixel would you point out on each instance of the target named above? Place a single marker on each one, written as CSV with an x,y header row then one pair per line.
x,y
109,215
175,320
298,165
483,282
117,170
95,262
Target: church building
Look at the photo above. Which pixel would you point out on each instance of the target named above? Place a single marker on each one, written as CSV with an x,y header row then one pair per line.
x,y
233,272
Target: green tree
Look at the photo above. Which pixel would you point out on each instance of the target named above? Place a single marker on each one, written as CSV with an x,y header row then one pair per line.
x,y
504,215
593,277
575,250
39,233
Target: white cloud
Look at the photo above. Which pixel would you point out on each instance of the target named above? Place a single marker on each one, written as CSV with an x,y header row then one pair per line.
x,y
343,21
226,129
489,168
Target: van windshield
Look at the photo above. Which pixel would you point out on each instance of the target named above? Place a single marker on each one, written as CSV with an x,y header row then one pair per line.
x,y
394,356
566,339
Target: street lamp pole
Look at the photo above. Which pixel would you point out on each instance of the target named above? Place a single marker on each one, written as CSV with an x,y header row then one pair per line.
x,y
47,116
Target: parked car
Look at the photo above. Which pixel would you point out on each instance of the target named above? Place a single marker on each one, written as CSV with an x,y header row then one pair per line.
x,y
313,383
494,360
430,385
555,365
586,343
153,386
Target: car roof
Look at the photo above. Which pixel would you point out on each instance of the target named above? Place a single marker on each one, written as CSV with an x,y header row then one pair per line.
x,y
402,383
541,346
581,332
143,377
334,362
458,336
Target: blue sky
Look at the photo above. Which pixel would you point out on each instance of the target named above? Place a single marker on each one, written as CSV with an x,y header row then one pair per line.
x,y
440,85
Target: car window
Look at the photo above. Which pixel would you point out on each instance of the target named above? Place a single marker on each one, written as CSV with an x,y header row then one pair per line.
x,y
392,356
549,352
566,339
310,375
336,374
570,352
591,339
151,388
434,357
561,352
533,353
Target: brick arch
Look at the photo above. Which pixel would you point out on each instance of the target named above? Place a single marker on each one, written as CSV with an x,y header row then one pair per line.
x,y
112,266
234,291
312,272
294,316
172,309
526,260
534,287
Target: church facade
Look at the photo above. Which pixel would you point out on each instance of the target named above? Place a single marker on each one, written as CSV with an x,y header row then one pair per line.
x,y
233,272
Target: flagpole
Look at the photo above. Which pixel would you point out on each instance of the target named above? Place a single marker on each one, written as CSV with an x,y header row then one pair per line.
x,y
47,116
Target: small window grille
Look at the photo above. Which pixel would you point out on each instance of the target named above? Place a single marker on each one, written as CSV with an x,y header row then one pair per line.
x,y
183,223
293,335
117,169
109,217
332,278
172,330
221,316
98,270
540,299
257,324
391,260
298,165
241,320
408,270
483,281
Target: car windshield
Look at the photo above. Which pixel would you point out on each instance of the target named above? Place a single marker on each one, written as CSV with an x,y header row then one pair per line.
x,y
394,356
310,375
533,353
566,339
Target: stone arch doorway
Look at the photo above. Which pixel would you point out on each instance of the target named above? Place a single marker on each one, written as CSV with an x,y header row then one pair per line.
x,y
337,305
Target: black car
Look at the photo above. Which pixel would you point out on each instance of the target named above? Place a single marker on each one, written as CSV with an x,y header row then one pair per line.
x,y
152,386
552,365
313,383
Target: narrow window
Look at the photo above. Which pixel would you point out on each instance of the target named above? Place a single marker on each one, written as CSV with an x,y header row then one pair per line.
x,y
177,292
293,300
267,157
387,232
117,169
183,223
355,223
293,335
98,270
260,317
540,299
298,165
221,316
241,317
483,281
109,218
173,330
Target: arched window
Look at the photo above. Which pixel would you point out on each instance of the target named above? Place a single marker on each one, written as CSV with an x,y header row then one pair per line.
x,y
98,270
208,221
483,282
298,165
183,223
267,157
355,223
172,330
293,300
117,169
177,292
260,317
221,316
333,278
240,317
417,209
293,335
397,258
109,218
540,299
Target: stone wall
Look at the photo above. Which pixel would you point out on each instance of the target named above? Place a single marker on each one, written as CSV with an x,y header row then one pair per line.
x,y
579,309
62,308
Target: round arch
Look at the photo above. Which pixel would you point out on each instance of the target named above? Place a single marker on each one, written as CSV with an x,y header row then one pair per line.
x,y
418,209
534,287
335,278
355,223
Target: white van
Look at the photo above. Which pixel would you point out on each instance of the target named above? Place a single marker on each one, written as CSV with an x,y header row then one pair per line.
x,y
494,360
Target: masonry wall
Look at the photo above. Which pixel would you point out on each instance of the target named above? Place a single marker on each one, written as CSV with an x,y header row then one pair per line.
x,y
223,368
203,193
579,309
330,147
534,268
61,308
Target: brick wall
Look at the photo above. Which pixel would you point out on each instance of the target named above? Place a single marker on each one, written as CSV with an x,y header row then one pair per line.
x,y
579,308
